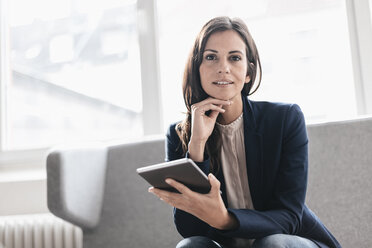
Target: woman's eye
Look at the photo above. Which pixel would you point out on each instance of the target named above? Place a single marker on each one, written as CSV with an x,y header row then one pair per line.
x,y
210,57
236,58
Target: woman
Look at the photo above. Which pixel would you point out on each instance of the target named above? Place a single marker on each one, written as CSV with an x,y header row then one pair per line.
x,y
254,152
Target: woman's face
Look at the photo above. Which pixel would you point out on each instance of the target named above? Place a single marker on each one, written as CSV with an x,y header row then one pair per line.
x,y
223,71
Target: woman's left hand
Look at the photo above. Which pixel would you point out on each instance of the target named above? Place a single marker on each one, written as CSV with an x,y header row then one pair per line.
x,y
208,207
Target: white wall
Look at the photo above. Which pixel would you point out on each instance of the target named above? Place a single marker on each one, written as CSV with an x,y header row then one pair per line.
x,y
23,197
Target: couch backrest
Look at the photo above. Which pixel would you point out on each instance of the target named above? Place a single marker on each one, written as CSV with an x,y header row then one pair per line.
x,y
132,217
340,185
75,183
339,189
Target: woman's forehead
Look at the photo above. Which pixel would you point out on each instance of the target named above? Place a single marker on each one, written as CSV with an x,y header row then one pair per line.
x,y
225,40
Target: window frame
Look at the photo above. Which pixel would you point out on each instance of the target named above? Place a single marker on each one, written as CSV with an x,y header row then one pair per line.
x,y
150,80
360,34
4,66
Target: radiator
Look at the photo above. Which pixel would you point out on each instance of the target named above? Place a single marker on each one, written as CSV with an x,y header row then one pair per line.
x,y
38,231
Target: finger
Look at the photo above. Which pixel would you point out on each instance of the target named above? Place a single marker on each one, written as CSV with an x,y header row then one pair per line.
x,y
214,115
178,186
215,184
207,107
174,199
164,195
215,101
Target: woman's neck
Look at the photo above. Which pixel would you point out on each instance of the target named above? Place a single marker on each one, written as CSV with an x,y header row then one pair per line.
x,y
232,112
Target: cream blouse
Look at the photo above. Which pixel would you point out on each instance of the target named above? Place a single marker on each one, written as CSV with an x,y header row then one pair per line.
x,y
235,170
234,164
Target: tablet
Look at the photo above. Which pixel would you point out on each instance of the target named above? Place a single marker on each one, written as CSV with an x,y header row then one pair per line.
x,y
182,170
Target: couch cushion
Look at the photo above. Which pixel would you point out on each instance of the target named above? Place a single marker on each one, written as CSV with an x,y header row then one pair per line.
x,y
340,170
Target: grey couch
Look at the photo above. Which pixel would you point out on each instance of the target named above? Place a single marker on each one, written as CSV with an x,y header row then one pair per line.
x,y
97,188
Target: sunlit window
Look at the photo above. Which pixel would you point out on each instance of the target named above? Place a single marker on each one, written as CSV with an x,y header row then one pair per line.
x,y
75,65
304,49
370,10
75,72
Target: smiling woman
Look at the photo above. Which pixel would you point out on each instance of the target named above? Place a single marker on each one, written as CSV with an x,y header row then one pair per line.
x,y
223,71
254,152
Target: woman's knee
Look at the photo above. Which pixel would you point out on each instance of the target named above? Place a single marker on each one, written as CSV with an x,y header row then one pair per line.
x,y
197,242
283,241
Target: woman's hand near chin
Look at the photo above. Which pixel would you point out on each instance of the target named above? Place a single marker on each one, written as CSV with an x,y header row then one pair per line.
x,y
202,125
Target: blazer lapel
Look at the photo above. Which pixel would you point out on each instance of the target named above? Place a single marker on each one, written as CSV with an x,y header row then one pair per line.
x,y
253,154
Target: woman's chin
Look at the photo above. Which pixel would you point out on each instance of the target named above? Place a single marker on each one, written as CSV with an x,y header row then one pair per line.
x,y
222,97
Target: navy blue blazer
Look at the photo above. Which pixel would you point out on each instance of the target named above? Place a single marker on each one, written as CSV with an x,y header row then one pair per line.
x,y
276,148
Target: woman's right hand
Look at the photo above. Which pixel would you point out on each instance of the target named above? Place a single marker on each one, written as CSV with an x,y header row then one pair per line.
x,y
202,125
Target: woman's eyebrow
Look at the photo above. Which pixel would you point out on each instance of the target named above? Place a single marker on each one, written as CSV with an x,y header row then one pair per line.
x,y
215,51
211,50
236,51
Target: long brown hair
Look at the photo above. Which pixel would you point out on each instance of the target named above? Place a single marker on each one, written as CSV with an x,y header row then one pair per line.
x,y
193,91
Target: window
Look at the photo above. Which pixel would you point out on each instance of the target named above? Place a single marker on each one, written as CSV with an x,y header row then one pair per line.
x,y
304,49
370,10
77,74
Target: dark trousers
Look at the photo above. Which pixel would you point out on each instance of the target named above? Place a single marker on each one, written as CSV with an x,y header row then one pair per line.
x,y
272,241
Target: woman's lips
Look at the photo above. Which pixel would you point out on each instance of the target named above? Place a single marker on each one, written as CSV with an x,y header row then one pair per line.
x,y
222,83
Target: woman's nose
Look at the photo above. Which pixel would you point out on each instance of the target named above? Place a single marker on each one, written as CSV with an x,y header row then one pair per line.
x,y
223,67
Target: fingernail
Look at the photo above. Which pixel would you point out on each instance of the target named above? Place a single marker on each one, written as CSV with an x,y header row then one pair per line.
x,y
168,181
151,189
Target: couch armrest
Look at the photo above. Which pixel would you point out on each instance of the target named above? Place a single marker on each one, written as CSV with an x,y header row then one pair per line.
x,y
76,183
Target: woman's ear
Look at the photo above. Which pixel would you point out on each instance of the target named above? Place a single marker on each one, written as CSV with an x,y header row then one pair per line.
x,y
247,79
250,70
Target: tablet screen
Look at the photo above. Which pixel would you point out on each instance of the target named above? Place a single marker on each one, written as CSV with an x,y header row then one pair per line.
x,y
182,170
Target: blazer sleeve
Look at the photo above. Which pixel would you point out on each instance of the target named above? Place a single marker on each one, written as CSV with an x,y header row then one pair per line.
x,y
283,211
187,225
